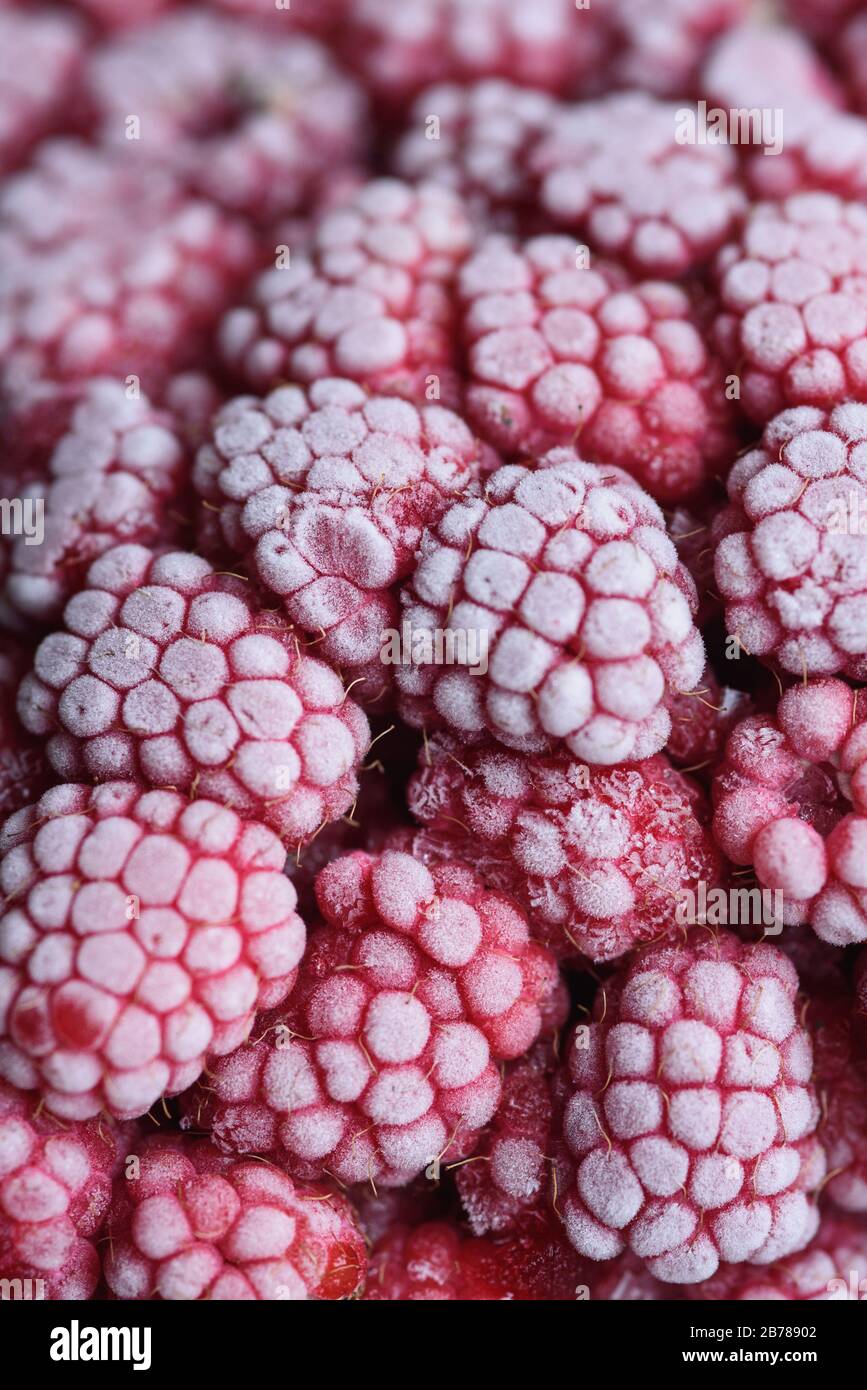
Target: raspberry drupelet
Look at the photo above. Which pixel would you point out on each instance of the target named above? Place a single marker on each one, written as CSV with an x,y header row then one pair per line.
x,y
693,1114
418,985
55,1190
792,294
579,612
327,492
557,352
790,800
170,673
833,1268
369,297
141,932
194,1224
658,45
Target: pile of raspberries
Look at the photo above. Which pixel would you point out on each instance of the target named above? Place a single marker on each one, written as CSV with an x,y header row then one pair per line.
x,y
433,650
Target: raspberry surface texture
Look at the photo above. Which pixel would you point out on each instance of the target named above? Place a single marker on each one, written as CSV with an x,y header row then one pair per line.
x,y
833,1268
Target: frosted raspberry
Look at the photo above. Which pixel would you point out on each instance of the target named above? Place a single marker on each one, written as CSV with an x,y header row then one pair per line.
x,y
557,351
793,300
692,1115
399,49
115,475
596,858
832,1268
613,171
841,1081
24,770
420,983
479,146
249,119
55,1189
370,299
328,491
792,567
195,1225
759,64
790,800
659,44
571,592
107,272
437,1262
170,673
141,932
42,57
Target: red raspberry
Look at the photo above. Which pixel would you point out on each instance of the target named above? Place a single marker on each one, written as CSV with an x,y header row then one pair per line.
x,y
437,1262
596,859
419,985
790,799
586,614
108,272
115,475
24,770
42,57
399,49
841,1081
614,171
792,566
249,119
369,300
141,932
170,673
557,351
693,1112
328,492
832,1268
55,1189
793,304
659,44
196,1225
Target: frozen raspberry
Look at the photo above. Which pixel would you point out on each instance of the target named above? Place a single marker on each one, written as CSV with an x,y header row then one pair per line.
x,y
170,673
659,44
790,800
574,609
400,49
252,120
701,721
370,299
195,1225
115,475
24,770
420,983
141,932
597,858
55,1189
615,172
756,65
107,272
692,1115
793,304
436,1261
328,491
476,140
832,1268
792,567
558,351
841,1081
42,58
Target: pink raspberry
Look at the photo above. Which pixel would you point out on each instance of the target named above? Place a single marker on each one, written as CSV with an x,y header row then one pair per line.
x,y
596,859
791,799
370,298
24,770
575,611
841,1081
327,492
693,1112
196,1225
420,983
792,567
248,119
557,351
55,1189
142,931
176,676
793,304
108,272
115,475
832,1268
659,44
42,59
613,171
